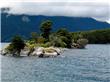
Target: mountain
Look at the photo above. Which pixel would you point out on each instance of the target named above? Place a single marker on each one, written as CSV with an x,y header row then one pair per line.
x,y
25,24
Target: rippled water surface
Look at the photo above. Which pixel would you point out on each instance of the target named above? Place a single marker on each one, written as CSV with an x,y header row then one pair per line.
x,y
75,65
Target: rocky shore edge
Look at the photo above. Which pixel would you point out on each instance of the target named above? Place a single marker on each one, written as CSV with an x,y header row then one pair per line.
x,y
40,52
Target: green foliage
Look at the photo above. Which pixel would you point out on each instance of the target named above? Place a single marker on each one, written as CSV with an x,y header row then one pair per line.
x,y
94,36
9,48
56,40
97,36
62,32
76,36
65,36
42,45
48,44
30,44
40,40
45,28
34,36
16,45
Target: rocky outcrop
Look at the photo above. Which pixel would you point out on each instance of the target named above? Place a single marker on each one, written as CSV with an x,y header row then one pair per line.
x,y
38,51
3,52
80,44
46,52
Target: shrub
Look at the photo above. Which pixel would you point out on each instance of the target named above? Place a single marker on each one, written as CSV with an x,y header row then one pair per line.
x,y
57,41
34,36
62,32
16,45
30,44
40,40
9,48
65,37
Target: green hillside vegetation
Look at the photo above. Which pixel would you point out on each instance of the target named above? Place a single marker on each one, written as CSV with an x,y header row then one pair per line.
x,y
94,36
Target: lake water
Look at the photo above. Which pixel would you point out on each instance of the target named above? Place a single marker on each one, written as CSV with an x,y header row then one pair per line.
x,y
75,65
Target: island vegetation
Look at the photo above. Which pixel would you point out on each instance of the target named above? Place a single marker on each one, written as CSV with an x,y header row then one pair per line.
x,y
48,43
94,36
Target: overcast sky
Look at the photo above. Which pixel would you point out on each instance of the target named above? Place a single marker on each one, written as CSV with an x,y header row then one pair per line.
x,y
97,9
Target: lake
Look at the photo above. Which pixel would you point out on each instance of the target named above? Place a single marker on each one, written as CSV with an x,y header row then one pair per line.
x,y
74,65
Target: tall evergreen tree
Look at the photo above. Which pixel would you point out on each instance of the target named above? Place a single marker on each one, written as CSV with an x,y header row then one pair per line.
x,y
45,28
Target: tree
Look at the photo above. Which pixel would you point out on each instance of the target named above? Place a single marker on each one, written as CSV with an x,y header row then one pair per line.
x,y
97,36
45,28
65,36
34,36
56,40
62,32
16,45
40,40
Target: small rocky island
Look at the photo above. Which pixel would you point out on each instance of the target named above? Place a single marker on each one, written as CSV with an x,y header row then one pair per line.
x,y
37,51
44,44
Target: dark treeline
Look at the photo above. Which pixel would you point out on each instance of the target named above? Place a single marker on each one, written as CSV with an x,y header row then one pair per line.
x,y
94,36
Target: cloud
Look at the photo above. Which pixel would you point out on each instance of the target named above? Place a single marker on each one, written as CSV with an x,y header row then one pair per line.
x,y
97,10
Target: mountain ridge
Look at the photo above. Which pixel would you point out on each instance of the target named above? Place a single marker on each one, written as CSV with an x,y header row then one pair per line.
x,y
25,24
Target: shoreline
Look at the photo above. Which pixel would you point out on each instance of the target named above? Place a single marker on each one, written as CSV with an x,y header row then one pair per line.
x,y
39,51
46,52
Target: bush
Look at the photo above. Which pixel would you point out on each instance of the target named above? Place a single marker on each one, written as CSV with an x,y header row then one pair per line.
x,y
76,36
30,42
62,32
30,46
65,37
42,45
16,45
56,40
34,36
9,48
40,40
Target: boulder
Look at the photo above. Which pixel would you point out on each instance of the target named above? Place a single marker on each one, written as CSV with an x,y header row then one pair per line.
x,y
46,52
53,54
3,52
37,51
77,46
24,52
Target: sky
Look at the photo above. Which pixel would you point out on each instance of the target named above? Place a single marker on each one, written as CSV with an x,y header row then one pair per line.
x,y
97,9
